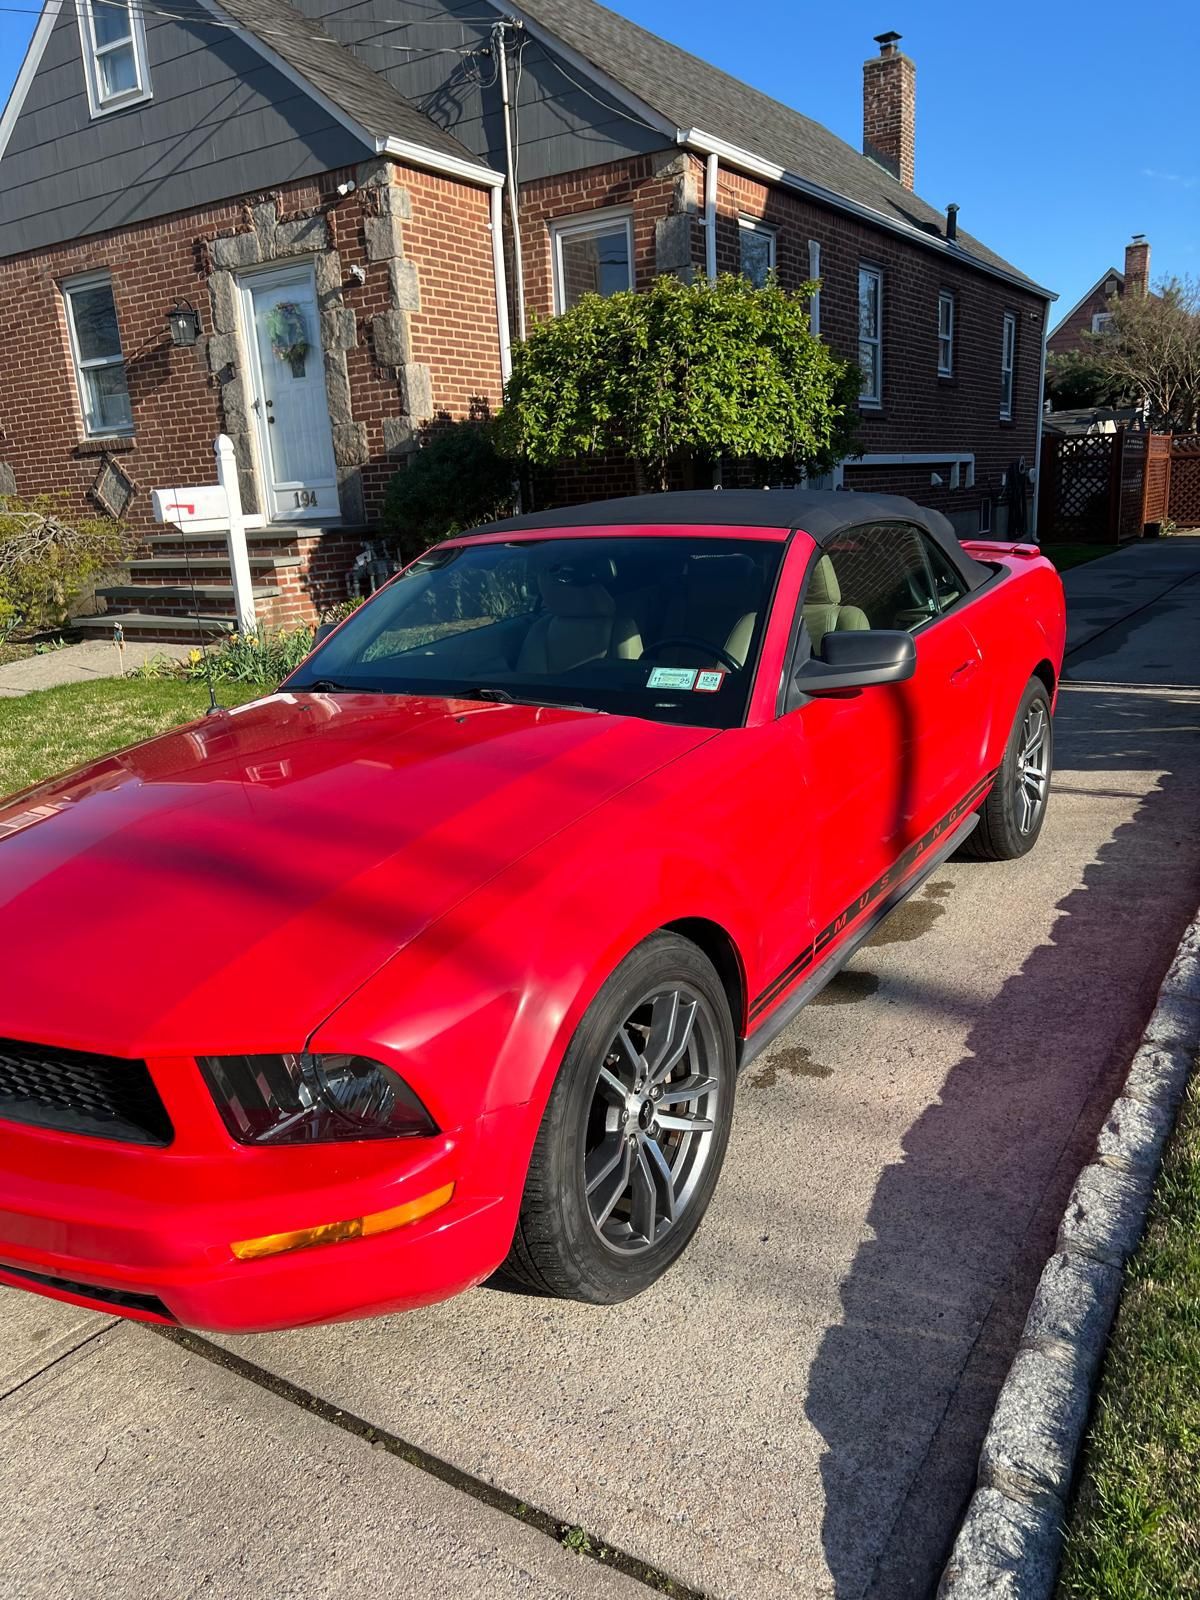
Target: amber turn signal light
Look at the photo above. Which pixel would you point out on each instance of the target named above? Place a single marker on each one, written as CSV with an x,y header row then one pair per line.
x,y
274,1244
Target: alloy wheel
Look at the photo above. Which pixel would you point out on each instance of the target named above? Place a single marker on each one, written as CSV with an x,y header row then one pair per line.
x,y
652,1119
1032,779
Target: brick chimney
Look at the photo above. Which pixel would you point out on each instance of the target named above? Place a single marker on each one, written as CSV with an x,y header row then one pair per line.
x,y
1137,265
890,109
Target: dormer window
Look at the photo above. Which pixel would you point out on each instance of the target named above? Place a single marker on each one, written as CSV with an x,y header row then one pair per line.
x,y
114,54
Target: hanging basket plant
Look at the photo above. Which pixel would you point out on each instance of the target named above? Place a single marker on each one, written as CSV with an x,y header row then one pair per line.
x,y
288,333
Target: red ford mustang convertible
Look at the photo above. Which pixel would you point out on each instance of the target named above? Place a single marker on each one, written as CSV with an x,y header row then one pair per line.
x,y
445,958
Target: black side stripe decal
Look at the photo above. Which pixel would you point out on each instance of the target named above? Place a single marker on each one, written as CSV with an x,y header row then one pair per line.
x,y
890,879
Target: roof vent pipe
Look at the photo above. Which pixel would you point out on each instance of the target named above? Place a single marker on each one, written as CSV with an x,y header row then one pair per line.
x,y
951,221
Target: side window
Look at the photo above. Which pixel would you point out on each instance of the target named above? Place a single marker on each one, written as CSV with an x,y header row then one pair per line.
x,y
946,580
875,576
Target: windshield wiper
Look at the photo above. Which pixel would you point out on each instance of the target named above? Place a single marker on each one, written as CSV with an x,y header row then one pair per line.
x,y
331,686
505,698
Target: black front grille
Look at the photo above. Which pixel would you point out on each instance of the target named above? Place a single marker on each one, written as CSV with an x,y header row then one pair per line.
x,y
124,1299
103,1097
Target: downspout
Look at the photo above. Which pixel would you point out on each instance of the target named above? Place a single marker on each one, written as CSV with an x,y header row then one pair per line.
x,y
710,218
1037,476
510,171
501,282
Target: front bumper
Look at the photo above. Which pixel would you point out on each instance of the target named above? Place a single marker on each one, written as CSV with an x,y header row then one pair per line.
x,y
148,1231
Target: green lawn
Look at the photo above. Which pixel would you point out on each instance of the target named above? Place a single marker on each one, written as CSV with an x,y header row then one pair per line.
x,y
1074,555
44,733
1134,1532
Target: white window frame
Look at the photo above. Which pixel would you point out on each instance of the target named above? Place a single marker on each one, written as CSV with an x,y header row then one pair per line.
x,y
602,220
814,272
1100,321
945,363
100,105
71,286
753,225
1008,363
872,401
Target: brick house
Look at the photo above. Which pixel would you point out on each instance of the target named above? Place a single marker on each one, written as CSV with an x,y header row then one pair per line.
x,y
329,187
1091,313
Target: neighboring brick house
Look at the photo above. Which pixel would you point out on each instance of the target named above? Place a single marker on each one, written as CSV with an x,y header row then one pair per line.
x,y
1092,312
328,186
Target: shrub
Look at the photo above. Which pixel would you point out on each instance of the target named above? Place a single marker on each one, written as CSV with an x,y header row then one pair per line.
x,y
265,656
46,561
456,479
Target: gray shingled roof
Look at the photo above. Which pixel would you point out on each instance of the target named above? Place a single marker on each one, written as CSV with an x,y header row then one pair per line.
x,y
338,74
692,94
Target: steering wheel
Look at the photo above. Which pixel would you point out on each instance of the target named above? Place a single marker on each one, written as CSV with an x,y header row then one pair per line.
x,y
702,645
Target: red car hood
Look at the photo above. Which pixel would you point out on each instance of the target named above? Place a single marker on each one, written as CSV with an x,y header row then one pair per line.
x,y
225,886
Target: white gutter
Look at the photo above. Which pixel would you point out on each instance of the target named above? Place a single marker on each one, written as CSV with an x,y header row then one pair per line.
x,y
501,281
1037,449
745,161
710,216
510,167
418,155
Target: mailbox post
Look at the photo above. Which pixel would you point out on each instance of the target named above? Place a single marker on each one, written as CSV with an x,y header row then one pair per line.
x,y
216,508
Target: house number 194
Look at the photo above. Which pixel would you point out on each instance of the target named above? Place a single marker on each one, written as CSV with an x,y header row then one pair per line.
x,y
306,497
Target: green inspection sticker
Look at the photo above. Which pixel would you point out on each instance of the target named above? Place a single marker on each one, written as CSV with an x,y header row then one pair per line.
x,y
671,678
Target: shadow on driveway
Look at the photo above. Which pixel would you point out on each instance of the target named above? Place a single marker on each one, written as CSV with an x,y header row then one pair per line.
x,y
987,1170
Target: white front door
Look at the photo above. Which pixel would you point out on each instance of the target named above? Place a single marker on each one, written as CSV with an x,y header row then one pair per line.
x,y
287,379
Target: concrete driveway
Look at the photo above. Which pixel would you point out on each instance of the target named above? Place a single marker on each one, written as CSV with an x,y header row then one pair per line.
x,y
796,1410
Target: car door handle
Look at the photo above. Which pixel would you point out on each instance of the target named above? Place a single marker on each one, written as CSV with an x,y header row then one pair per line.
x,y
965,670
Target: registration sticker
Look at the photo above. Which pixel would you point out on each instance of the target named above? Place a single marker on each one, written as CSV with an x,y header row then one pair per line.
x,y
671,678
709,682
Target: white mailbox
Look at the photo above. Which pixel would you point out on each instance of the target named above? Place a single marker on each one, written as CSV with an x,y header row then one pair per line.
x,y
204,502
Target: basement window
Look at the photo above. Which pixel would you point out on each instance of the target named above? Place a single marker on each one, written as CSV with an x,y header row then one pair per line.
x,y
756,244
96,353
593,254
115,66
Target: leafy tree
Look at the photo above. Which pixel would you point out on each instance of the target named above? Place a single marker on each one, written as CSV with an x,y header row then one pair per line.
x,y
1151,348
47,561
682,373
1075,380
454,480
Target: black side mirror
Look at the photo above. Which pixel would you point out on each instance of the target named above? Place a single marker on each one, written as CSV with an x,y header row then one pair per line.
x,y
857,661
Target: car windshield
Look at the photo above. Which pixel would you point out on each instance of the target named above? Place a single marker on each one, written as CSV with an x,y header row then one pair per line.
x,y
663,628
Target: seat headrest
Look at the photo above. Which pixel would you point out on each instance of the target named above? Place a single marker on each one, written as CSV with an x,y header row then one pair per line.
x,y
823,586
573,586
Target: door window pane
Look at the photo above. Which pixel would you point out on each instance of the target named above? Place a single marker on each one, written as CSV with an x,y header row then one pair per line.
x,y
881,575
947,580
592,259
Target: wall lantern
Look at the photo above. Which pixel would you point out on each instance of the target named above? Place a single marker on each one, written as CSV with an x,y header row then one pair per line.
x,y
183,321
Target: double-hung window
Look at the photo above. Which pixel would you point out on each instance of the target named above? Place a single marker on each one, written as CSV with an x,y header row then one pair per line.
x,y
593,254
945,334
1008,361
756,250
96,351
1101,321
870,335
114,54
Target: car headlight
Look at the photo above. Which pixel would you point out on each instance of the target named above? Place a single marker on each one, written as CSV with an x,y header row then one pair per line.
x,y
306,1099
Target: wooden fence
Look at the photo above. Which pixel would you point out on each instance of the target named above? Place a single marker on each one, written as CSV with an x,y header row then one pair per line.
x,y
1183,506
1103,488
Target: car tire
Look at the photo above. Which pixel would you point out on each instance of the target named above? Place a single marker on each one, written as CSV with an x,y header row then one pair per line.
x,y
603,1215
1011,817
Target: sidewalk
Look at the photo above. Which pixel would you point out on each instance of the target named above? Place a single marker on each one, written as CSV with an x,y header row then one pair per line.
x,y
80,663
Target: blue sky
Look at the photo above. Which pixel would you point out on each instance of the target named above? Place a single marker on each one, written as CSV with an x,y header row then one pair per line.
x,y
1059,130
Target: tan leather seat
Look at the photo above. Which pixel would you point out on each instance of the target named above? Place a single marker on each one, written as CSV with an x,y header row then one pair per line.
x,y
823,609
579,624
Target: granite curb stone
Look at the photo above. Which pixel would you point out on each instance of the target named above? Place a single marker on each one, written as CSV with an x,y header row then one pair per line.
x,y
1010,1541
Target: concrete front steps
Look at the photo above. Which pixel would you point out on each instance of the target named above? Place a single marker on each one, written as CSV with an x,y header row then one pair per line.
x,y
153,599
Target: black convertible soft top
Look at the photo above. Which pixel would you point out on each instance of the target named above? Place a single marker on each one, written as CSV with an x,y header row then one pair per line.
x,y
821,513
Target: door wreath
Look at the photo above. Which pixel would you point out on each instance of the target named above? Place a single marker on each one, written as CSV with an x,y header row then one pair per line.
x,y
288,333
